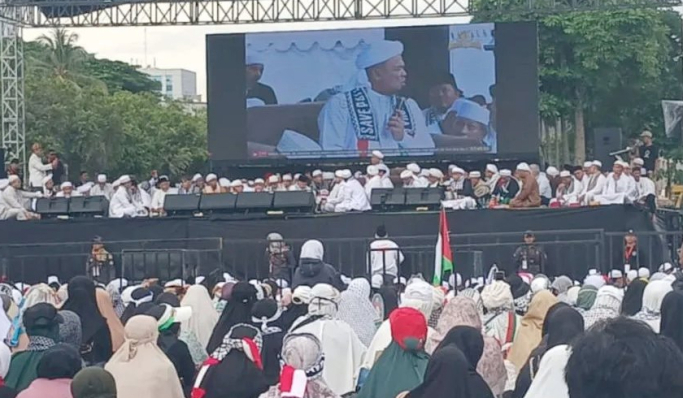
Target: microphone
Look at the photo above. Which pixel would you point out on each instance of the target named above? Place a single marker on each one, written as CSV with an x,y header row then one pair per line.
x,y
619,152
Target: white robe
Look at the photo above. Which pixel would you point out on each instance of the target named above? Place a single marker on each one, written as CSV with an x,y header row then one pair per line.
x,y
158,199
385,255
17,199
107,191
386,182
73,194
617,191
121,204
600,182
37,171
353,197
337,119
573,192
493,181
543,186
644,187
372,183
342,344
10,213
550,380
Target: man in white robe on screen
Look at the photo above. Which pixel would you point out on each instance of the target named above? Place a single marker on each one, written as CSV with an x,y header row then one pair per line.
x,y
373,180
619,187
385,175
372,115
121,204
353,196
595,184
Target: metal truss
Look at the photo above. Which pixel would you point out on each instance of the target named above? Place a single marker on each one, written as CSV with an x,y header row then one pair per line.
x,y
12,91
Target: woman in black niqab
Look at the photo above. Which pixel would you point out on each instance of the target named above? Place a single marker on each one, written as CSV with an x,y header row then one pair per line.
x,y
96,344
141,302
237,310
671,324
471,342
447,376
633,298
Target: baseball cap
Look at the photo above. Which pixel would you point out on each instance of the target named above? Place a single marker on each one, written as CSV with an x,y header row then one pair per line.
x,y
646,133
41,315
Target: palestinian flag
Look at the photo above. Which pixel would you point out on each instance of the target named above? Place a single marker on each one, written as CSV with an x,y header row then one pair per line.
x,y
443,261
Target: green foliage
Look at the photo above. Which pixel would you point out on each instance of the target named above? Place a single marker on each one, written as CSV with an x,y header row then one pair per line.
x,y
101,115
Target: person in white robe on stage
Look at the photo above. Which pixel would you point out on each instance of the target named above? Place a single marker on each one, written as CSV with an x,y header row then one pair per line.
x,y
408,179
544,188
339,342
645,187
385,175
102,188
66,190
373,180
353,196
13,211
492,176
17,198
619,187
376,158
435,178
569,191
334,198
372,115
595,184
421,181
36,169
157,205
48,187
121,204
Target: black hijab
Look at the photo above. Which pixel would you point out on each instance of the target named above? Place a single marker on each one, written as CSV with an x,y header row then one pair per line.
x,y
389,298
237,310
83,302
293,312
168,298
633,298
266,317
133,309
671,324
447,376
59,362
470,341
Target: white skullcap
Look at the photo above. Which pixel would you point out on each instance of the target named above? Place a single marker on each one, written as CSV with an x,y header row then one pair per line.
x,y
592,271
124,179
339,173
505,173
424,173
302,295
13,178
66,184
597,163
616,274
565,173
196,177
474,174
643,272
253,59
666,267
273,179
101,178
378,52
372,170
552,171
497,295
539,283
471,110
224,182
47,178
328,175
296,176
316,173
419,295
414,168
587,164
492,168
376,281
85,187
458,170
621,163
236,183
259,181
378,154
451,167
523,167
436,173
596,280
287,177
211,177
282,283
116,183
4,183
346,174
407,174
638,161
632,274
345,279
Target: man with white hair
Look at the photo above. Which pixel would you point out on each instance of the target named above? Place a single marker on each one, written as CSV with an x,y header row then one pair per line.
x,y
67,190
11,207
121,204
619,187
544,188
372,115
595,182
102,188
491,175
353,196
36,169
529,195
373,180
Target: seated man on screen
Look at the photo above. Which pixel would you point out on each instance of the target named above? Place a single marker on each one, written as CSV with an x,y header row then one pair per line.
x,y
442,94
466,124
373,116
256,90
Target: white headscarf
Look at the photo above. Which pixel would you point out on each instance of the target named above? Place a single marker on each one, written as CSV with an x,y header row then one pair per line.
x,y
418,295
550,381
596,281
652,303
324,300
40,293
607,305
312,249
204,316
356,309
497,296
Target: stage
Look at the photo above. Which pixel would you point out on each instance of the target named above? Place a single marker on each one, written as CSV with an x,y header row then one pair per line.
x,y
574,239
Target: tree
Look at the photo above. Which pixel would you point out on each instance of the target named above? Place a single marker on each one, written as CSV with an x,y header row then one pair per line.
x,y
119,76
64,57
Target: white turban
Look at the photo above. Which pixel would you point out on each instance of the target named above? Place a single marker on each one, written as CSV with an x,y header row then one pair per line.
x,y
324,300
596,281
378,52
372,170
492,168
497,295
419,295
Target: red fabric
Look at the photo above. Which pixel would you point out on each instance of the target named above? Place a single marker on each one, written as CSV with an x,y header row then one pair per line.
x,y
363,146
286,377
407,323
254,351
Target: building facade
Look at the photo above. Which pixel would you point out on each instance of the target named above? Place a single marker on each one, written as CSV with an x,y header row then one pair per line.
x,y
180,84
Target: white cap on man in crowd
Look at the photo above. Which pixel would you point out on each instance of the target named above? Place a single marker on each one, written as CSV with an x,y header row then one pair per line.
x,y
211,177
224,182
259,181
46,179
377,154
346,174
101,178
414,168
236,183
474,174
436,173
372,170
196,177
457,170
199,279
296,176
587,164
383,167
646,133
632,275
597,163
316,173
407,174
124,179
616,274
523,167
328,175
643,272
492,168
424,173
565,174
666,267
376,281
287,177
339,173
273,179
552,171
621,163
377,52
253,59
505,173
638,162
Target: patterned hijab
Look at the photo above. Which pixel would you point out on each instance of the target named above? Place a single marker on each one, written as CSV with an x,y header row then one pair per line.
x,y
356,309
607,305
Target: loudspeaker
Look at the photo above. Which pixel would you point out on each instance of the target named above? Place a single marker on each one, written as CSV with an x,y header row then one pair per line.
x,y
254,201
218,203
294,202
388,198
181,204
52,207
605,141
89,206
424,197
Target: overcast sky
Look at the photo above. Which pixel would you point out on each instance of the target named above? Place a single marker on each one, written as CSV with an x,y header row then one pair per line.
x,y
184,47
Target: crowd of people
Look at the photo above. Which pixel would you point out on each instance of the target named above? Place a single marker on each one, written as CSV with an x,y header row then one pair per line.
x,y
324,336
344,190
